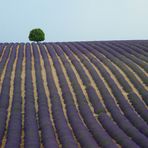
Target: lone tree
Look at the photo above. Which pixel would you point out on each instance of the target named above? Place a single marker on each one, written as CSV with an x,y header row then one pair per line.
x,y
36,35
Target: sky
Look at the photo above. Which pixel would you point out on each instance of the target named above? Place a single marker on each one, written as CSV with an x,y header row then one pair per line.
x,y
74,20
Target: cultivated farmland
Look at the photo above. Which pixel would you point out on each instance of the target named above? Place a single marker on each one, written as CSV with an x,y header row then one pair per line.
x,y
74,94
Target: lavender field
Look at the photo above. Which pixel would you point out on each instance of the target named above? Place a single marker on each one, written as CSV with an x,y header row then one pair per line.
x,y
74,94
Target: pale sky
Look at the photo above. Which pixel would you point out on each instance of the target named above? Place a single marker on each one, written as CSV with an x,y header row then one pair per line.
x,y
74,20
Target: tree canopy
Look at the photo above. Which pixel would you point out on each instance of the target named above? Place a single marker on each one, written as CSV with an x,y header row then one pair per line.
x,y
36,35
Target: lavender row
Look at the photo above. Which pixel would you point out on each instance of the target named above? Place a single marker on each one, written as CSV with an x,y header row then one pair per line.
x,y
126,61
31,129
4,96
139,105
105,95
81,132
142,48
118,75
81,103
109,64
1,48
121,100
136,49
4,58
85,111
125,51
45,124
116,114
130,75
15,122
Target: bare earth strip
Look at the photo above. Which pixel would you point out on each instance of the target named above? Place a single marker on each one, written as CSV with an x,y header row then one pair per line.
x,y
1,57
23,95
4,70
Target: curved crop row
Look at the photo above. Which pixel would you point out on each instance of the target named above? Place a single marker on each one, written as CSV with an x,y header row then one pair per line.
x,y
81,132
122,142
127,110
138,104
4,96
15,126
126,61
4,58
125,51
130,75
48,136
74,94
31,137
63,130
